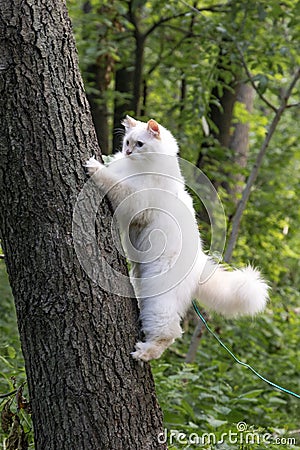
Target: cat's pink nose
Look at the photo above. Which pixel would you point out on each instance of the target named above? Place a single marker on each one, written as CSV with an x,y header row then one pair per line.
x,y
128,152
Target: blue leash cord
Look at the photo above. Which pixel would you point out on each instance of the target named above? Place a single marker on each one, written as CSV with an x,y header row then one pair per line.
x,y
287,391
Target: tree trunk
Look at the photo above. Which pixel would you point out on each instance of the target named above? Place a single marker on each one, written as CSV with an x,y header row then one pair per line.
x,y
97,74
138,72
222,115
239,140
100,74
123,85
86,391
236,220
139,39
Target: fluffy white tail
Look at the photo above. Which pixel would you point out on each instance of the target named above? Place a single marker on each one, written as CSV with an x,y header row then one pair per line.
x,y
240,292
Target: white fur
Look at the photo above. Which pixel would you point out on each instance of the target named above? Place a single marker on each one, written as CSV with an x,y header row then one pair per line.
x,y
147,191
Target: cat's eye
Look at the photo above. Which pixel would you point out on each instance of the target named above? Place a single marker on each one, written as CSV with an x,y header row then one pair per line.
x,y
139,144
127,142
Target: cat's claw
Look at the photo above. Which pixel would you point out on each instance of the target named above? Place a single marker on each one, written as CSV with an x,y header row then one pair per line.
x,y
92,166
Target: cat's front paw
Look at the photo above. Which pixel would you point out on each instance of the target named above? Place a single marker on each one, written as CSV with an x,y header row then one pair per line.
x,y
92,166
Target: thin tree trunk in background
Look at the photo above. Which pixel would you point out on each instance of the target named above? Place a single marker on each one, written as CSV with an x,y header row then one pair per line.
x,y
138,74
255,170
123,85
222,115
85,389
139,39
196,338
98,104
98,76
239,140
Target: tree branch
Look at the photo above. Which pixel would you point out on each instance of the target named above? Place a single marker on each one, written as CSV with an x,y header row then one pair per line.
x,y
197,335
9,394
293,105
220,7
161,21
261,96
214,8
253,175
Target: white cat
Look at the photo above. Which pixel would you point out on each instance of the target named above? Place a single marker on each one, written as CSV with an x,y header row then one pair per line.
x,y
160,236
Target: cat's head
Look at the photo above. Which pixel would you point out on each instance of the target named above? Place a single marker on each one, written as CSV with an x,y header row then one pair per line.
x,y
147,137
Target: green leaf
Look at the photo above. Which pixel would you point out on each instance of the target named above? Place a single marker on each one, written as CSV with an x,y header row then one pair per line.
x,y
252,394
11,352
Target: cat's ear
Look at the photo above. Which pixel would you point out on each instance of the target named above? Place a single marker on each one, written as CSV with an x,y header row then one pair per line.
x,y
153,128
129,122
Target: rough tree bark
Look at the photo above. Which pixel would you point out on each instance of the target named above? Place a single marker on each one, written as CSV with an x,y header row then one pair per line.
x,y
86,391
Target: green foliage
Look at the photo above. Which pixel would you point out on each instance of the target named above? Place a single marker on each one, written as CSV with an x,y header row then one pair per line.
x,y
215,394
270,233
12,372
12,364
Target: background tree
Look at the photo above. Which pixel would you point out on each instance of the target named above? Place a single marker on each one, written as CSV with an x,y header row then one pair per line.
x,y
86,391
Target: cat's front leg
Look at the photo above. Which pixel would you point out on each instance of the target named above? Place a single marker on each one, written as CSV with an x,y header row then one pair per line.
x,y
109,182
101,174
93,166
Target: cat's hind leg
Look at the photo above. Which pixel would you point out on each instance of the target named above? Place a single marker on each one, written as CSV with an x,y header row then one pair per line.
x,y
160,324
145,351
